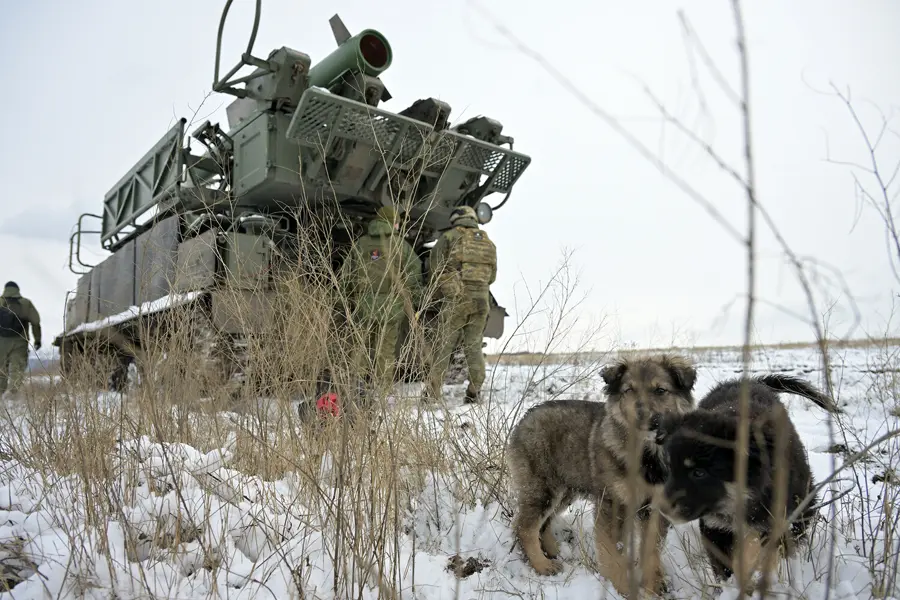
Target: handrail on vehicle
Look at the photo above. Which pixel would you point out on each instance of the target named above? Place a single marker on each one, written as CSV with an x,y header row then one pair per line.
x,y
247,58
75,251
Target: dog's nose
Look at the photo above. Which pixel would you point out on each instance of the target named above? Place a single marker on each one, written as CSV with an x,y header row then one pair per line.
x,y
673,498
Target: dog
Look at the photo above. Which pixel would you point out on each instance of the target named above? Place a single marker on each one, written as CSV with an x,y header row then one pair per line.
x,y
700,484
563,449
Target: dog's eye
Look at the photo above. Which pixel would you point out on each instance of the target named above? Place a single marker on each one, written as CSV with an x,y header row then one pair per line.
x,y
627,389
660,391
698,473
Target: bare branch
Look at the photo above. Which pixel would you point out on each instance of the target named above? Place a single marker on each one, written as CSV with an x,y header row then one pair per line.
x,y
613,123
743,433
707,60
720,162
883,204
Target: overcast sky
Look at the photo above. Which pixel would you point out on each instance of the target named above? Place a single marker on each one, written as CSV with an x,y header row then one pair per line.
x,y
90,87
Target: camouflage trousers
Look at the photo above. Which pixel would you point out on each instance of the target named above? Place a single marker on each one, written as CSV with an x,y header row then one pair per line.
x,y
378,352
463,320
13,362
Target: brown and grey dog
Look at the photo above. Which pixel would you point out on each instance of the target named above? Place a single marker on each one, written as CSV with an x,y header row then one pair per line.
x,y
701,481
564,449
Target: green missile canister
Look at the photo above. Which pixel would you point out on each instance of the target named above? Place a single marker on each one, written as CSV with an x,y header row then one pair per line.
x,y
367,52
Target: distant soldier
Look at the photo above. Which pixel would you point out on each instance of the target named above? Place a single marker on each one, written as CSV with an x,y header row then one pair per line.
x,y
16,313
463,266
383,276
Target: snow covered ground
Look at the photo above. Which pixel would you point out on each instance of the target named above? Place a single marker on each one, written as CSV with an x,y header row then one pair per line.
x,y
174,521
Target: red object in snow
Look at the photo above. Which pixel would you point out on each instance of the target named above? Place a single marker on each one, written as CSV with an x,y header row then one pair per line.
x,y
328,403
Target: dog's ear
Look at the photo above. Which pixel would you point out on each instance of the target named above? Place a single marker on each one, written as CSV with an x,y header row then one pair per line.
x,y
612,376
682,371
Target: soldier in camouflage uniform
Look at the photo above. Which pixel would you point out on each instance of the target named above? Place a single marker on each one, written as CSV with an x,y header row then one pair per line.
x,y
463,265
383,276
16,313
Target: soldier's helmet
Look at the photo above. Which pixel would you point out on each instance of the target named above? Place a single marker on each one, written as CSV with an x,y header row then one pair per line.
x,y
389,215
461,213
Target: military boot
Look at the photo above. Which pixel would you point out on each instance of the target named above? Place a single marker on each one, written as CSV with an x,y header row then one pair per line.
x,y
431,393
472,396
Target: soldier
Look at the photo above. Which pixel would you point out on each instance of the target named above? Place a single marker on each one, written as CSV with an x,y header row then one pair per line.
x,y
383,275
16,313
463,266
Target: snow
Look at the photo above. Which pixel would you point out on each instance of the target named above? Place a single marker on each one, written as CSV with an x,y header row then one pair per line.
x,y
147,308
190,524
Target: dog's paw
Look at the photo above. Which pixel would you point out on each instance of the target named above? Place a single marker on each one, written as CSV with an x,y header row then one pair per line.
x,y
756,585
550,546
656,586
549,567
661,588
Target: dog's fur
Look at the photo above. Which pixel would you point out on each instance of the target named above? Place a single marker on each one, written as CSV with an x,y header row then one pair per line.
x,y
564,449
701,481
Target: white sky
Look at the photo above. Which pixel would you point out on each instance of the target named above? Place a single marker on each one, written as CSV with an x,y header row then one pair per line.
x,y
90,86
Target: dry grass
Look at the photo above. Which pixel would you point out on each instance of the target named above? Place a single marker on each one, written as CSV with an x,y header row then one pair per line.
x,y
353,490
355,482
357,487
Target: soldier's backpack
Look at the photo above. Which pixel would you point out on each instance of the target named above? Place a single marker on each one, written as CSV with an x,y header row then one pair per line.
x,y
10,323
474,256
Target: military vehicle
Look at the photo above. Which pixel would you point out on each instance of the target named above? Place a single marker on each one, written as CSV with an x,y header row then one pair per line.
x,y
304,141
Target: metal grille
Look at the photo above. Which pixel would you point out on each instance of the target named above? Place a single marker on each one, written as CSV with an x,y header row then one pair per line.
x,y
481,158
310,126
509,173
441,149
321,115
484,158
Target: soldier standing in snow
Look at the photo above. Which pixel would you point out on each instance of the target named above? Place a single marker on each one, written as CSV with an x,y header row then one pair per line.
x,y
16,314
382,273
463,266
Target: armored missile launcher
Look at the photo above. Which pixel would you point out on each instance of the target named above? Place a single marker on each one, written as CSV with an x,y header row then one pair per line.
x,y
307,144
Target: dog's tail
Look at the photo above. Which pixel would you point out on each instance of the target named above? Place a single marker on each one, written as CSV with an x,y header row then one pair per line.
x,y
795,385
